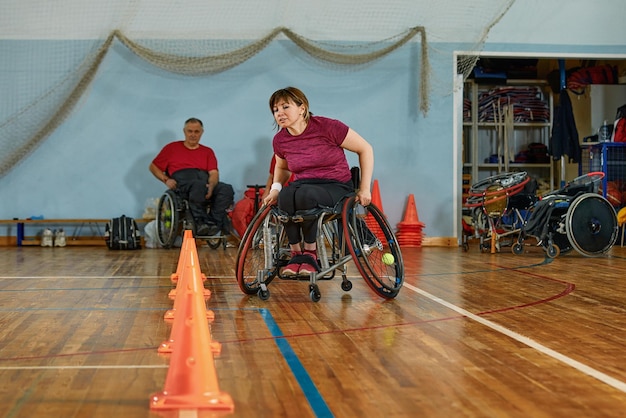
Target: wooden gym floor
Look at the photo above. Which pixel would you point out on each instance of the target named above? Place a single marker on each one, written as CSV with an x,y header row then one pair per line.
x,y
471,334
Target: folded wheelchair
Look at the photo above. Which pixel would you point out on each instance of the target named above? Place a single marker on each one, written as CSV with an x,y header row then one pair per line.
x,y
573,217
347,232
173,217
499,207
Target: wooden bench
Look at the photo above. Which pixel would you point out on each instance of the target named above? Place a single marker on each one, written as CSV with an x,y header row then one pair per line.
x,y
96,227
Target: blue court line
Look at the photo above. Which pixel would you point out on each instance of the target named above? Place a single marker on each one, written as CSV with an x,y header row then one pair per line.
x,y
311,393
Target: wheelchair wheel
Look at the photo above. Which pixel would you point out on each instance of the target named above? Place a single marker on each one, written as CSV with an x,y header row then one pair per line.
x,y
168,219
215,242
591,224
376,253
561,241
259,252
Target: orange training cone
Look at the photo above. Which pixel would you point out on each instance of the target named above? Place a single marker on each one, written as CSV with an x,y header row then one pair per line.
x,y
410,229
191,381
190,280
369,219
189,268
187,237
376,196
410,214
187,240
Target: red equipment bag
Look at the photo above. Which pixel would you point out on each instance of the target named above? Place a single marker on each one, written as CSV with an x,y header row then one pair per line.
x,y
243,211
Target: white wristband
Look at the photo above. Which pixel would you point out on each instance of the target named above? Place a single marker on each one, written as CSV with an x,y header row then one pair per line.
x,y
276,186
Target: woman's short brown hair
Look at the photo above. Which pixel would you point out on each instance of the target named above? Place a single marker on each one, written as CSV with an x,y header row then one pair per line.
x,y
292,94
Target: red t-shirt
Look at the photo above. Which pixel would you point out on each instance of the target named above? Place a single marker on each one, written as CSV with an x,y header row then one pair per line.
x,y
316,153
176,156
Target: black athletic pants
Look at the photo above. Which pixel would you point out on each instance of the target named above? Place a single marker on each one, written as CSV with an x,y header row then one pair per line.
x,y
309,194
192,185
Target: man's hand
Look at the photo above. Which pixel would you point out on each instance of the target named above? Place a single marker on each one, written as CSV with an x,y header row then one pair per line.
x,y
209,192
170,183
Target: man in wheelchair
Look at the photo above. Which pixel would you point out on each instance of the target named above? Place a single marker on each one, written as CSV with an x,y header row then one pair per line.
x,y
312,148
190,169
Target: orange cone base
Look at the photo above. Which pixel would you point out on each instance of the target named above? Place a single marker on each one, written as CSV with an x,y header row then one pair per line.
x,y
174,277
167,347
214,401
171,313
205,292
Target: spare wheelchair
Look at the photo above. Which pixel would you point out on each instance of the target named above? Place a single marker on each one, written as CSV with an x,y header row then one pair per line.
x,y
499,207
173,217
573,217
346,232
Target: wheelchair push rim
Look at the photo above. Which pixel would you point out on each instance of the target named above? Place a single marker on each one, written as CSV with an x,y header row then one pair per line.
x,y
252,257
492,191
168,219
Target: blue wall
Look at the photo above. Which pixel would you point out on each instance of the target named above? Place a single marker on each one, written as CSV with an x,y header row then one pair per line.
x,y
95,164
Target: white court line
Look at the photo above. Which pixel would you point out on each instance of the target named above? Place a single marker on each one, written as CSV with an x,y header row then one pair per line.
x,y
130,366
210,276
617,384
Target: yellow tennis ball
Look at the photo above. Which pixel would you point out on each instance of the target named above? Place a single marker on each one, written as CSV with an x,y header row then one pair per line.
x,y
168,224
388,259
168,212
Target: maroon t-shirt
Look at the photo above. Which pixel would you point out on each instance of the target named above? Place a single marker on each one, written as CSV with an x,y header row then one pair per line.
x,y
316,153
176,156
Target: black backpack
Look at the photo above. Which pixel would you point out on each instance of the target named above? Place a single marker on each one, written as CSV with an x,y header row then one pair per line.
x,y
122,234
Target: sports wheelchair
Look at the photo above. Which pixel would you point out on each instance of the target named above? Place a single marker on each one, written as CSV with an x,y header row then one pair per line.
x,y
173,216
346,232
499,206
575,216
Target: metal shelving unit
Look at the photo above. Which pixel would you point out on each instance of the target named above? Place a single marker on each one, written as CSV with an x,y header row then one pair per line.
x,y
490,147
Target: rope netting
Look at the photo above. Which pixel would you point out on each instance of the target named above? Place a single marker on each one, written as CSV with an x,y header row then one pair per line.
x,y
53,52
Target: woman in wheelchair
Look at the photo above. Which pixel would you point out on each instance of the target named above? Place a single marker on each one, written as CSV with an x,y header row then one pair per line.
x,y
312,149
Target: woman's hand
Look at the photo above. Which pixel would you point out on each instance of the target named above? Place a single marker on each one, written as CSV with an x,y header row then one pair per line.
x,y
271,198
364,197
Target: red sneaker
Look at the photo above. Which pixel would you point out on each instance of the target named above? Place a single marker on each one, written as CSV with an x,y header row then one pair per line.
x,y
291,269
309,263
306,269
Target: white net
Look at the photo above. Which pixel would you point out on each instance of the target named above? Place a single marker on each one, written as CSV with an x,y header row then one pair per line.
x,y
56,49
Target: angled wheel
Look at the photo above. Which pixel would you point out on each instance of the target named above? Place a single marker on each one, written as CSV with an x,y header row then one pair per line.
x,y
591,224
517,248
169,222
259,251
214,242
561,241
553,251
374,248
251,255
